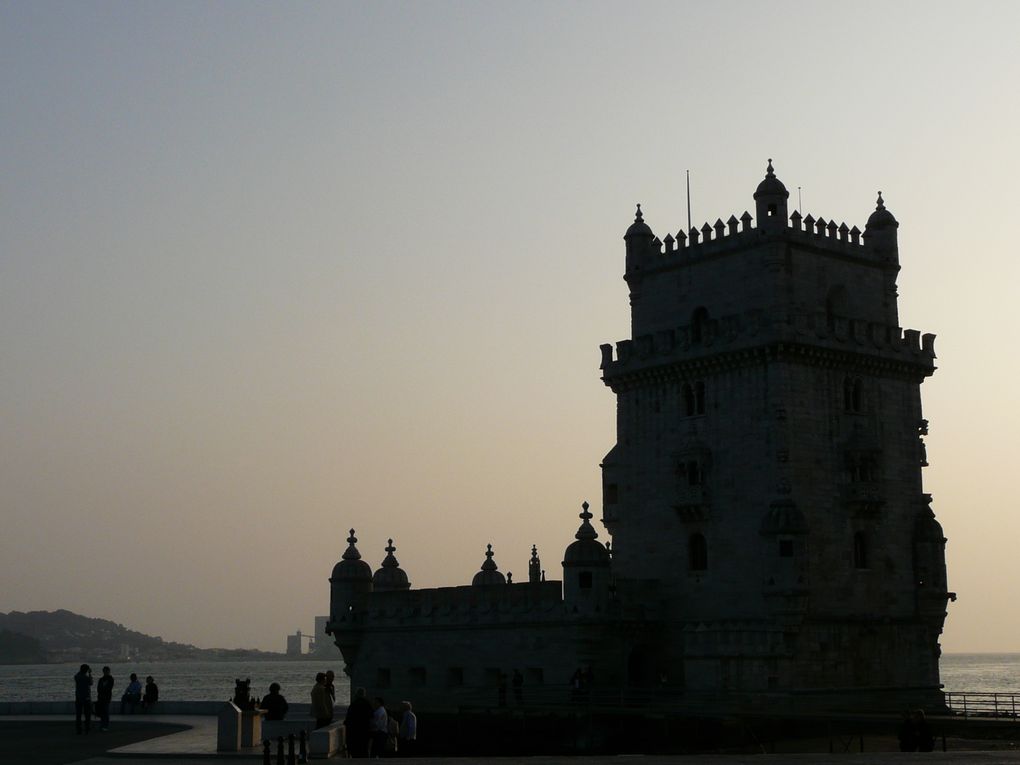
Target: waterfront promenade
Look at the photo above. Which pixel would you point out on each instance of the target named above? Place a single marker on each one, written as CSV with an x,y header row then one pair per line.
x,y
170,739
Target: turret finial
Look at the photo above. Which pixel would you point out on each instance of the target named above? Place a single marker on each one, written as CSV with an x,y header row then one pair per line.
x,y
352,552
880,203
586,531
489,564
389,546
769,170
638,218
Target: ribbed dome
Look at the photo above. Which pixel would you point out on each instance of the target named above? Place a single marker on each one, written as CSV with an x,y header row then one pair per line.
x,y
784,517
351,567
390,575
638,228
586,551
881,218
489,573
771,186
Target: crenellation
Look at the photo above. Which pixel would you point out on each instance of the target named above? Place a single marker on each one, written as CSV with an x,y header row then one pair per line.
x,y
732,224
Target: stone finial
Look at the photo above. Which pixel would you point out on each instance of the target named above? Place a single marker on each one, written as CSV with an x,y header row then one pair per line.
x,y
390,560
351,553
769,170
489,564
879,203
586,531
638,217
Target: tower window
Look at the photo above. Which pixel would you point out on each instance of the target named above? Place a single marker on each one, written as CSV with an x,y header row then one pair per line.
x,y
697,552
693,398
860,550
853,395
584,580
772,210
690,472
699,325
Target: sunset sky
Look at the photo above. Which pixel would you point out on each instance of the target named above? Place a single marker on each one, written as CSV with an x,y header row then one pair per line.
x,y
269,271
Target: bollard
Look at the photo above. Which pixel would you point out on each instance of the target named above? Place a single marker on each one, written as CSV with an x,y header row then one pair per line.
x,y
267,752
291,757
279,751
303,748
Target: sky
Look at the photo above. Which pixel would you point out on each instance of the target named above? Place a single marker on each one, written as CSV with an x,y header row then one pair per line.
x,y
270,271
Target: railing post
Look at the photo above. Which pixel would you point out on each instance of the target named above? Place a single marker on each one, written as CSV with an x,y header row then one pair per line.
x,y
267,753
279,751
291,756
995,702
303,746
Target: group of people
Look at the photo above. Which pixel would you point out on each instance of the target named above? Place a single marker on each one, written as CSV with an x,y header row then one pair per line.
x,y
371,731
133,696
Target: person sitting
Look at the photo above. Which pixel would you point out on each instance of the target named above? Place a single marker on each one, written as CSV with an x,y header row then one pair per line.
x,y
274,703
132,695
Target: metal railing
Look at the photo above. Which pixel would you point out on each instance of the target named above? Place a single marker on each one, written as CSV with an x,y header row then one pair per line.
x,y
969,704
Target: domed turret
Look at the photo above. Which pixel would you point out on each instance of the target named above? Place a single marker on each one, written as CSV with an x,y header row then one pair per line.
x,y
770,202
639,239
534,566
586,569
390,575
489,573
586,551
880,231
350,582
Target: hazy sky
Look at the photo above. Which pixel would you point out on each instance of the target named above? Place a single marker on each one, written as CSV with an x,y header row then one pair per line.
x,y
269,271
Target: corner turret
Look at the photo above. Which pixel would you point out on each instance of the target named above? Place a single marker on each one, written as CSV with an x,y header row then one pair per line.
x,y
880,232
350,582
770,203
586,568
639,239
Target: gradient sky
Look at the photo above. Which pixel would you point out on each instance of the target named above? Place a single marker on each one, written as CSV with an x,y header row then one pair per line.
x,y
269,271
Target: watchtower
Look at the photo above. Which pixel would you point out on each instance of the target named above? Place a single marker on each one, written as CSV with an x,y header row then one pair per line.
x,y
767,468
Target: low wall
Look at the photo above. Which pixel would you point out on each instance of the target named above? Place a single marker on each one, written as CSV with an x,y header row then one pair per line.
x,y
211,708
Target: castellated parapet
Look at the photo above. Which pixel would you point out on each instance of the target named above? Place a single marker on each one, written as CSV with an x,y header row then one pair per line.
x,y
770,538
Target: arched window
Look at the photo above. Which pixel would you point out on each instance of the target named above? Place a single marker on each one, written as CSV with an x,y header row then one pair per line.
x,y
699,325
860,550
697,552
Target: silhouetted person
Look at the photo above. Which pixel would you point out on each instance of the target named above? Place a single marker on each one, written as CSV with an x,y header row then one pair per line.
x,y
408,731
906,734
322,706
518,683
330,688
132,695
925,739
151,694
357,722
380,726
104,695
83,698
275,704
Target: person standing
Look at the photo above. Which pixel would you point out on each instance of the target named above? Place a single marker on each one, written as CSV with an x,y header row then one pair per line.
x,y
322,706
408,730
104,695
83,698
357,723
380,726
330,688
151,694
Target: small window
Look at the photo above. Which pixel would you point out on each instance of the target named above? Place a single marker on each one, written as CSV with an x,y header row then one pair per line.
x,y
612,494
690,404
584,580
853,395
785,548
860,550
454,677
416,677
772,210
382,677
699,325
697,552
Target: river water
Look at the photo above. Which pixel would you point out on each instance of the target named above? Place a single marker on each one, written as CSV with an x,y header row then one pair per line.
x,y
214,680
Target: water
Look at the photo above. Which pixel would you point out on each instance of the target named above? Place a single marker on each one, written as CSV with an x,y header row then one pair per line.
x,y
214,680
177,680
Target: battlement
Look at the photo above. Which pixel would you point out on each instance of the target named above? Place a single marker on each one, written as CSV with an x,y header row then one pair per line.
x,y
756,328
735,233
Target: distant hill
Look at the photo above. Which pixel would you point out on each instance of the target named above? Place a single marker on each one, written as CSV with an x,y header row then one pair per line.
x,y
57,636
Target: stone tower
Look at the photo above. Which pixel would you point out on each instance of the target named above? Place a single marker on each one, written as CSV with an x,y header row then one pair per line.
x,y
767,469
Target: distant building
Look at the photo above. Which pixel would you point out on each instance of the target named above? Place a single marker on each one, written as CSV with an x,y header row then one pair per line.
x,y
294,644
322,643
771,538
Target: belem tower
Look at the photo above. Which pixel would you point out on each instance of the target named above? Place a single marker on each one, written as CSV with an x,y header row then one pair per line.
x,y
770,536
